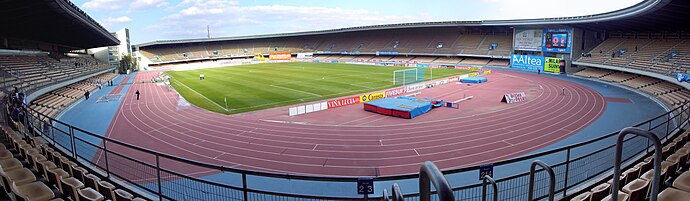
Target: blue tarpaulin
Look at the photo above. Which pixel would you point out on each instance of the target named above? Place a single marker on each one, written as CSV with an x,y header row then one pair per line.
x,y
406,107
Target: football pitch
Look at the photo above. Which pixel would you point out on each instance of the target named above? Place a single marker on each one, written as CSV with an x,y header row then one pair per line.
x,y
260,86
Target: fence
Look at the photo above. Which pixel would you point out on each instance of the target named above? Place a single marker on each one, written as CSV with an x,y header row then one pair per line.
x,y
164,177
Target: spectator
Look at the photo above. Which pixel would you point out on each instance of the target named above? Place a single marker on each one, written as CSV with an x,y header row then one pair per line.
x,y
137,94
15,113
86,95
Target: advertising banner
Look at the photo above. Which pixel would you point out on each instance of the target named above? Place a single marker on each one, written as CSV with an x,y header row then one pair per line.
x,y
305,55
279,55
514,97
528,39
558,40
415,87
343,102
396,92
389,53
552,64
529,62
372,96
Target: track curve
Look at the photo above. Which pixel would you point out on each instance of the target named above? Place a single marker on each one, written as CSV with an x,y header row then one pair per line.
x,y
381,148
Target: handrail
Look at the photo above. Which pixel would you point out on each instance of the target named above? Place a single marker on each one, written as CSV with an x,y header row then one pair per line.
x,y
385,195
657,160
552,179
397,193
493,184
429,173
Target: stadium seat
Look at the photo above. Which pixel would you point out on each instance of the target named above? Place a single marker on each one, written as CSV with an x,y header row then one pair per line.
x,y
600,191
79,172
672,194
70,186
89,194
91,181
683,182
121,195
10,164
106,189
622,196
637,189
55,177
35,191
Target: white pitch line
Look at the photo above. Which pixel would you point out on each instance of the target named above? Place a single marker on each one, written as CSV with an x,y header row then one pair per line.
x,y
415,151
297,90
209,100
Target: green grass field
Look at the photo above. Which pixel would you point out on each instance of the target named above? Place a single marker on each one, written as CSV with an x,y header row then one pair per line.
x,y
260,86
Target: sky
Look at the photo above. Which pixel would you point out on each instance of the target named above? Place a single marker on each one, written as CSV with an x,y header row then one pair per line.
x,y
151,20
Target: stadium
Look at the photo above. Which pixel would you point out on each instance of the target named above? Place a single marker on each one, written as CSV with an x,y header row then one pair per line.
x,y
590,107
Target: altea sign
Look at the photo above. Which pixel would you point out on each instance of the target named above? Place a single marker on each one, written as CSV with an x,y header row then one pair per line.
x,y
529,62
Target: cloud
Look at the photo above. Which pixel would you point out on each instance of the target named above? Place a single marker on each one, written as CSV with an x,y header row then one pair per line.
x,y
514,9
106,5
228,16
146,4
110,21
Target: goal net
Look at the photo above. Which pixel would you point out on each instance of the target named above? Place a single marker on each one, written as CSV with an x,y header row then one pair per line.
x,y
403,77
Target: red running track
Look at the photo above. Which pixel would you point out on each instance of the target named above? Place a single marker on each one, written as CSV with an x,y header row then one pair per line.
x,y
379,146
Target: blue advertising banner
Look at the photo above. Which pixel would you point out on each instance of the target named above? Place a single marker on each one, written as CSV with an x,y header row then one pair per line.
x,y
383,53
558,40
423,65
529,62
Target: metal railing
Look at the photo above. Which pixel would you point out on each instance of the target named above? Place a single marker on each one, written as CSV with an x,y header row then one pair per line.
x,y
166,177
430,174
486,179
552,179
657,161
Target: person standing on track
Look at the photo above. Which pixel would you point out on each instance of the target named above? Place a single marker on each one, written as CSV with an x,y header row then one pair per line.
x,y
563,91
137,94
538,71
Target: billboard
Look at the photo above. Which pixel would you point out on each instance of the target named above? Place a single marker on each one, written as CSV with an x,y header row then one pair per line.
x,y
371,97
552,64
279,55
558,40
343,102
528,62
305,55
528,39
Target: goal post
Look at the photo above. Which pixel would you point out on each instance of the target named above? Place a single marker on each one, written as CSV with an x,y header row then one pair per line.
x,y
407,76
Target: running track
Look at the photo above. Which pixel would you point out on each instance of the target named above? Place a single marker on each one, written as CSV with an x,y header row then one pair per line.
x,y
159,122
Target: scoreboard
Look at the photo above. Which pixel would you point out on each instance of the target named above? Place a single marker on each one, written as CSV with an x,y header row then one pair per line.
x,y
558,40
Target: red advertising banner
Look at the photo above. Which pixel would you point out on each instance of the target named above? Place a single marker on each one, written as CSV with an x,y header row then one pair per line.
x,y
280,55
343,102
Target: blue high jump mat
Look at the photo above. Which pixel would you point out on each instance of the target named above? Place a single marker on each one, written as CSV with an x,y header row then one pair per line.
x,y
474,80
404,107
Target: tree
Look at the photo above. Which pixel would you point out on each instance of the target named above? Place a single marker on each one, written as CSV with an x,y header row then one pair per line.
x,y
127,62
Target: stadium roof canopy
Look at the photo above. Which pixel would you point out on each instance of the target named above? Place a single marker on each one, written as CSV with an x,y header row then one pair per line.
x,y
648,15
55,21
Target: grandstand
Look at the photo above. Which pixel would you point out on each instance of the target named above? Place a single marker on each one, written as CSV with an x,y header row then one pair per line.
x,y
44,157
